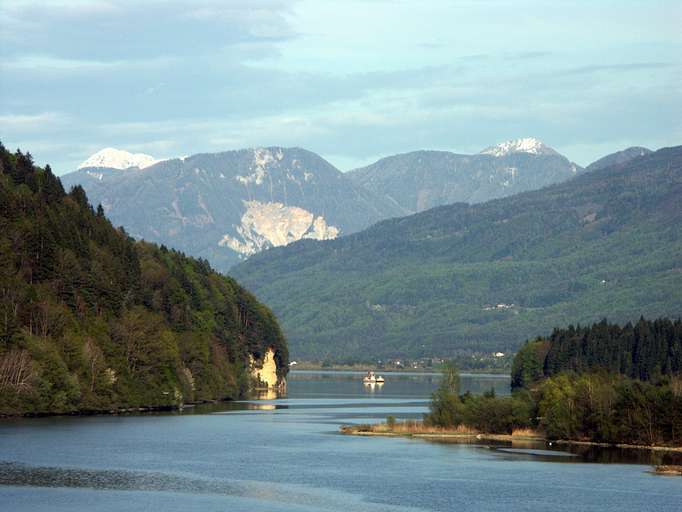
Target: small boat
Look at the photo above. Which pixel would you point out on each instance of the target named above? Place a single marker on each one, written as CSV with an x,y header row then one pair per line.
x,y
370,378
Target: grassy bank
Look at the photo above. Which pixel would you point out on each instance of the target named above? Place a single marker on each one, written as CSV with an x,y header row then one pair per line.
x,y
414,428
419,429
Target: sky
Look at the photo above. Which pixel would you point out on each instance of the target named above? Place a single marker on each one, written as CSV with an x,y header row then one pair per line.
x,y
351,80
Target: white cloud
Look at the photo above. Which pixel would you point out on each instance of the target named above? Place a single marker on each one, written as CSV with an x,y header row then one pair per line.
x,y
353,79
21,123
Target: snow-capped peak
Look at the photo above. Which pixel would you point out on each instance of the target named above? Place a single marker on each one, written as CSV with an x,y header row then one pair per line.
x,y
118,159
527,145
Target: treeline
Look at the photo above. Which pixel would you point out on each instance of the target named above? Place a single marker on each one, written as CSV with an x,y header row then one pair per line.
x,y
647,350
601,383
92,320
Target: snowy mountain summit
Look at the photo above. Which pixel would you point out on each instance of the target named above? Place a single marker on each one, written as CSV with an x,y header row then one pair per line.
x,y
118,159
526,145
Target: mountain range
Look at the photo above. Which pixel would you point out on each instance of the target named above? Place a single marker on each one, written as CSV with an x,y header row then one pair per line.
x,y
485,277
228,206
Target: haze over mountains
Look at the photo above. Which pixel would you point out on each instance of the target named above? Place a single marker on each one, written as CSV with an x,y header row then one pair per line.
x,y
228,206
488,276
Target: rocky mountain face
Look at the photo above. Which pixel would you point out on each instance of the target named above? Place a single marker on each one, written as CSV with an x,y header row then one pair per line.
x,y
421,180
619,157
227,206
485,277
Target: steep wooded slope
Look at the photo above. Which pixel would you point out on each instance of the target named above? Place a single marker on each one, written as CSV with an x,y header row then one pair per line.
x,y
91,320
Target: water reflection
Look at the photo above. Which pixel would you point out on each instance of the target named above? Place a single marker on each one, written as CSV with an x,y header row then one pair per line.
x,y
32,476
268,394
523,449
293,497
371,387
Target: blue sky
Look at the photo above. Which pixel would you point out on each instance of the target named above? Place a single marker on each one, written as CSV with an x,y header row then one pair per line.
x,y
351,80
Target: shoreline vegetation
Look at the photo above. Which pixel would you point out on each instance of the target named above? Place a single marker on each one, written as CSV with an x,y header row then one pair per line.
x,y
419,430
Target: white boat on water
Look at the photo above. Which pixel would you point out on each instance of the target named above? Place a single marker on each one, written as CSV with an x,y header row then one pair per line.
x,y
370,378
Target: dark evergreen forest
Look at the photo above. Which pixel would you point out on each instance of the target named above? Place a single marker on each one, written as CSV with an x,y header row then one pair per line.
x,y
647,351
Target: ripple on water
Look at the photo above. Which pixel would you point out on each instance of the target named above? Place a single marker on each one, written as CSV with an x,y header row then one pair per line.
x,y
22,475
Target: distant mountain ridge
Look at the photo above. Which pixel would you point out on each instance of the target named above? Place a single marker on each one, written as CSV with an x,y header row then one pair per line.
x,y
226,206
421,180
619,157
486,276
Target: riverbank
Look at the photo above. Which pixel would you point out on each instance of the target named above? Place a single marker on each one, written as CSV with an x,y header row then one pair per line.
x,y
112,412
417,429
676,449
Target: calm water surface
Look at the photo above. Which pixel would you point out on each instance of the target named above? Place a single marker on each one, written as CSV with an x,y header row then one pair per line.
x,y
286,455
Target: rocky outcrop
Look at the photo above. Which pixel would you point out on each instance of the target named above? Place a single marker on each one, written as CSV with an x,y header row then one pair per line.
x,y
272,224
264,372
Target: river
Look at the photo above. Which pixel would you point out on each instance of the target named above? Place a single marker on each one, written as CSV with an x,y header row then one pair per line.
x,y
287,455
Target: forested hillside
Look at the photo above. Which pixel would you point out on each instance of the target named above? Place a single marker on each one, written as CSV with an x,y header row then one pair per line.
x,y
91,320
487,276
